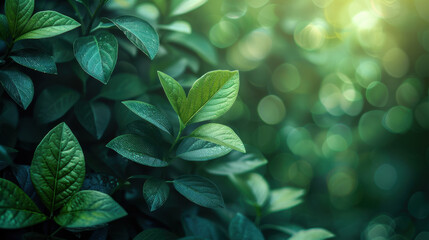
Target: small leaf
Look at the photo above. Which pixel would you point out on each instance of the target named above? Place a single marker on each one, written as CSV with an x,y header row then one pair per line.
x,y
138,150
140,33
195,43
36,60
155,193
175,93
93,116
89,208
58,167
194,149
18,12
284,198
47,24
54,102
312,234
179,7
122,87
199,190
19,87
254,188
155,233
4,28
219,134
17,210
151,114
236,163
97,55
178,26
241,228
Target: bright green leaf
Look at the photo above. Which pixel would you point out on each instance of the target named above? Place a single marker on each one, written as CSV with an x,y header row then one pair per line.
x,y
241,228
199,190
179,7
36,60
155,233
195,43
312,234
284,198
19,87
122,87
194,149
89,208
93,116
254,188
18,12
58,167
178,26
236,163
175,93
17,210
219,134
155,193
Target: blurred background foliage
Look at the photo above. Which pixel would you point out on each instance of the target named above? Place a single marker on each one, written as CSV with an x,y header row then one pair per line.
x,y
333,92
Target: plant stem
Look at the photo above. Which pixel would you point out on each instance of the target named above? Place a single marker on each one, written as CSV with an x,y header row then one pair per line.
x,y
258,215
56,231
76,10
177,137
93,16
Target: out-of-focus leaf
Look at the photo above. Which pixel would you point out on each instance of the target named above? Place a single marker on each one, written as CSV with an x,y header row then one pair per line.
x,y
4,28
155,193
201,228
18,12
94,117
177,26
22,174
236,163
19,87
312,234
195,43
99,182
35,59
254,188
179,7
199,190
284,198
241,228
219,134
155,233
62,51
194,149
123,86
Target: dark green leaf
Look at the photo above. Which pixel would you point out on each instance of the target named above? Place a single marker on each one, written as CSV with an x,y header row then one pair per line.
x,y
17,210
155,193
241,228
195,43
219,134
36,60
99,182
58,167
155,233
194,149
284,198
97,55
62,51
18,12
175,93
5,159
22,174
122,87
93,116
236,163
179,7
19,87
199,190
312,234
201,228
4,28
89,208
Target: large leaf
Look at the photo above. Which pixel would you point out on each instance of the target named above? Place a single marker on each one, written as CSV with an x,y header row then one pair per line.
x,y
97,55
122,87
140,33
241,228
17,210
58,167
18,12
236,163
4,28
199,190
151,114
36,60
219,134
312,234
284,198
155,193
19,87
254,188
138,150
54,102
179,7
47,24
89,208
93,116
195,43
155,233
194,149
175,93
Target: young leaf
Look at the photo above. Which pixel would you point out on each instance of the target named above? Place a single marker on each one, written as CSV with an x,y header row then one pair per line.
x,y
35,59
312,234
175,93
199,190
4,28
17,210
219,134
179,7
196,43
19,87
155,193
47,24
155,233
122,87
241,228
140,33
284,198
18,12
198,228
138,150
210,97
194,149
151,114
254,188
89,208
58,167
178,26
236,163
93,116
54,102
97,55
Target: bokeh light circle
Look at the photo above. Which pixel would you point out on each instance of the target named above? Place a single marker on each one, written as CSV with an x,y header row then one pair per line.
x,y
271,109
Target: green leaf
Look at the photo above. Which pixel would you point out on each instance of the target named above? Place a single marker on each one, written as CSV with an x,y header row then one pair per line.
x,y
236,163
36,60
195,43
194,149
93,116
155,233
284,198
241,228
89,208
178,26
122,87
198,228
58,167
19,87
138,150
312,234
254,188
151,114
179,7
155,193
54,102
175,93
4,28
18,12
62,51
17,210
199,190
140,33
97,55
219,134
210,97
47,24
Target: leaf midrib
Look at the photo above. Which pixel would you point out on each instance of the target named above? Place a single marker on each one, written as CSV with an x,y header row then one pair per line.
x,y
57,171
